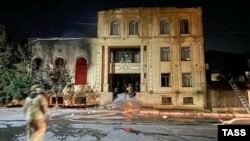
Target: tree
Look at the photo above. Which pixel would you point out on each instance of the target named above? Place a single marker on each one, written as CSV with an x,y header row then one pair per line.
x,y
15,79
53,80
5,63
21,78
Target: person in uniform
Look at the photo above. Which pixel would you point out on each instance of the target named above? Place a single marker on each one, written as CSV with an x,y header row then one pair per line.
x,y
36,111
129,91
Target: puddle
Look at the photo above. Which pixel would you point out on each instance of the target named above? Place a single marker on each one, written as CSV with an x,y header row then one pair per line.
x,y
130,130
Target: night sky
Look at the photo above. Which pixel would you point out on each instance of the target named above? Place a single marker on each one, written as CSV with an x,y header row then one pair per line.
x,y
226,24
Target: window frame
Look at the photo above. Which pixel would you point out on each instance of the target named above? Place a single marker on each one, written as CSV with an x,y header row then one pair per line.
x,y
185,54
188,100
115,27
125,56
133,27
164,27
166,100
165,54
187,80
184,26
165,80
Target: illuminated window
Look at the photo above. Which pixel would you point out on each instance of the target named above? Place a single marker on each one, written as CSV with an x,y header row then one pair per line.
x,y
115,28
125,55
164,26
133,28
165,54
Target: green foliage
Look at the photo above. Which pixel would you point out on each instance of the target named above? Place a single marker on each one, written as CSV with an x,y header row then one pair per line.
x,y
51,79
15,79
18,88
3,38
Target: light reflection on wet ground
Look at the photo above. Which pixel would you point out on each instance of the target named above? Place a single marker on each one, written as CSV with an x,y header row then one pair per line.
x,y
121,122
163,135
64,130
133,117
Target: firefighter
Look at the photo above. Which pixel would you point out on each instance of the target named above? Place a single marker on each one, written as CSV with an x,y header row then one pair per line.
x,y
36,110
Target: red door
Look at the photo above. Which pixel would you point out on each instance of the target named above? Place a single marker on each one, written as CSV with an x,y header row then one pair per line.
x,y
81,71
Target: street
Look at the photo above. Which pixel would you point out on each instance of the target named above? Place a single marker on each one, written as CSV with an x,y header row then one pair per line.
x,y
121,121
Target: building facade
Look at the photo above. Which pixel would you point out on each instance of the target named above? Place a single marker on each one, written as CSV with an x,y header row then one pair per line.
x,y
159,51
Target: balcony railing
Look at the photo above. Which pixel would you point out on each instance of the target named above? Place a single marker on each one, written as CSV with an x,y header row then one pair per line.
x,y
124,67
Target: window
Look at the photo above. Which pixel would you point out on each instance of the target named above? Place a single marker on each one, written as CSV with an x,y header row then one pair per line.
x,y
125,56
36,64
185,54
186,80
80,100
165,80
58,100
166,100
133,28
59,63
115,28
188,100
164,26
165,54
184,26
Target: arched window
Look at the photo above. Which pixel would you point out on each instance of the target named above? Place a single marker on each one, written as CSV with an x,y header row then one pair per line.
x,y
36,64
81,71
133,27
184,26
59,63
115,28
59,66
164,26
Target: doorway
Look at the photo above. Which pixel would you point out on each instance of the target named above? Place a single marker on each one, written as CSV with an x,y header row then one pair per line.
x,y
81,71
121,81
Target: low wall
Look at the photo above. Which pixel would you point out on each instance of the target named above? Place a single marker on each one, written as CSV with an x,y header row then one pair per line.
x,y
106,98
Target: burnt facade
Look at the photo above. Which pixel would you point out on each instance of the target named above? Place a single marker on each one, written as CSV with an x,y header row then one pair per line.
x,y
159,51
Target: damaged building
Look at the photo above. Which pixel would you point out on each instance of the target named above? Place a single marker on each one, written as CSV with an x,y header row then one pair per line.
x,y
159,51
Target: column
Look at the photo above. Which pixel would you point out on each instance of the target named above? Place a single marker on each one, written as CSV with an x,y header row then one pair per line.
x,y
143,67
106,72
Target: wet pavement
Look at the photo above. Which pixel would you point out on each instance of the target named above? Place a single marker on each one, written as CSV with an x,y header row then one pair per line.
x,y
121,120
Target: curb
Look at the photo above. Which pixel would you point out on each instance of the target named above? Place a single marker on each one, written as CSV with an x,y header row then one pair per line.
x,y
180,114
194,114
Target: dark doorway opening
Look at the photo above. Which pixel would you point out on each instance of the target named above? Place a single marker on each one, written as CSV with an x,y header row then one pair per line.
x,y
121,81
